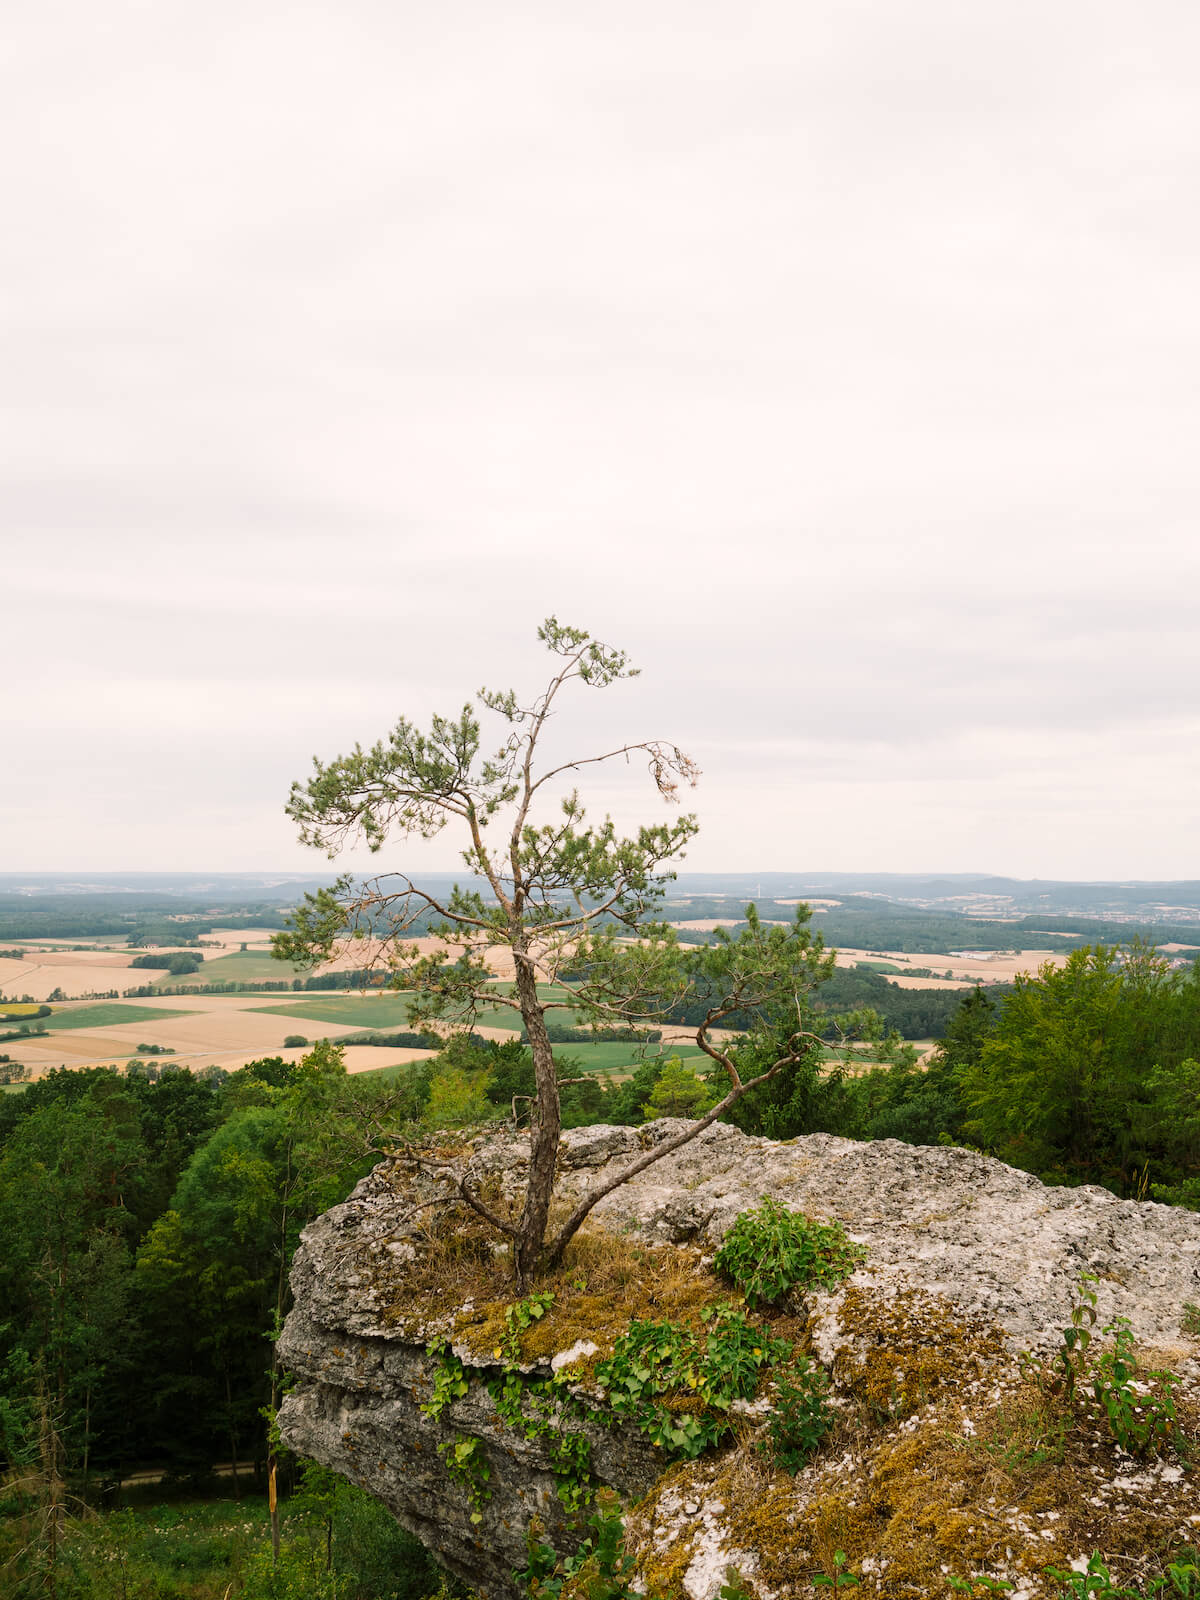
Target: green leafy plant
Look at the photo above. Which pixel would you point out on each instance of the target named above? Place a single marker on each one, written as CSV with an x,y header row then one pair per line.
x,y
733,1588
841,1579
771,1250
467,1463
655,1362
1068,1366
1190,1321
517,1318
802,1416
600,1560
1181,1581
1141,1421
535,1407
450,1381
979,1583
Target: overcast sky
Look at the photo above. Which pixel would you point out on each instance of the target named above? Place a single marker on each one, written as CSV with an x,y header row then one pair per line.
x,y
841,361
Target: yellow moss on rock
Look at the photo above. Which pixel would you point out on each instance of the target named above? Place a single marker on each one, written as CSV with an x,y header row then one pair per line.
x,y
945,1463
900,1352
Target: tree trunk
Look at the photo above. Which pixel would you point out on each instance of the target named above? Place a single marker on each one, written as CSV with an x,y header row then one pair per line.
x,y
545,1125
50,1449
87,1439
233,1447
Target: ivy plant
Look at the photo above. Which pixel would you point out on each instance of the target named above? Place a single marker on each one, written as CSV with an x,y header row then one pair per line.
x,y
655,1364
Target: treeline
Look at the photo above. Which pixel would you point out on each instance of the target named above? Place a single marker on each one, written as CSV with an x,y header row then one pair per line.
x,y
862,922
176,963
560,1033
158,919
912,1013
147,1227
1089,1073
357,978
146,1230
401,1040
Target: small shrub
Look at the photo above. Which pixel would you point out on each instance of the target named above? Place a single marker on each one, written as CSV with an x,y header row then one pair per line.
x,y
599,1569
802,1416
771,1250
1141,1421
294,1041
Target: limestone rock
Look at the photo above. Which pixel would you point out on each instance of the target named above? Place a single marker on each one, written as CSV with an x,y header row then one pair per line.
x,y
943,1228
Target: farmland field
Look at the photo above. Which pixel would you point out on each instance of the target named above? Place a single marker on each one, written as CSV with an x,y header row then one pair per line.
x,y
104,1014
620,1060
242,966
609,1057
367,1011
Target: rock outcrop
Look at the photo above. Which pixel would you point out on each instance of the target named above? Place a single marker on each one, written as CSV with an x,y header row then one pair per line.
x,y
945,1464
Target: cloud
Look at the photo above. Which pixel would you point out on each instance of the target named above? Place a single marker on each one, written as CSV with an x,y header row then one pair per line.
x,y
839,362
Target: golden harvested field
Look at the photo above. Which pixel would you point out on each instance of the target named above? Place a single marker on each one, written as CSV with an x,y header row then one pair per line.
x,y
75,972
79,973
217,1030
1001,967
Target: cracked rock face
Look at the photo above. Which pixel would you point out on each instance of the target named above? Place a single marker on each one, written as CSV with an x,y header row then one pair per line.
x,y
995,1243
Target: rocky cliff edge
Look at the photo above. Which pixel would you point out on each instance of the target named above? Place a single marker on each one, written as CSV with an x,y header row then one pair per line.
x,y
950,1457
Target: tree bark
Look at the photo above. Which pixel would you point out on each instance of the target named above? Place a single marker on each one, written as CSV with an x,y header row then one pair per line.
x,y
545,1125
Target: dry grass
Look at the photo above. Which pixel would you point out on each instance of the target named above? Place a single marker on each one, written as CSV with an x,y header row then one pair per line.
x,y
605,1281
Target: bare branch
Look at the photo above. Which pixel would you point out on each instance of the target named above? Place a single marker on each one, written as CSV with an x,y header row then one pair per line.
x,y
662,765
668,1147
459,1180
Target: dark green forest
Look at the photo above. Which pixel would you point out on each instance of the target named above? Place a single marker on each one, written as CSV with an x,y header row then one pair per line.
x,y
865,922
147,1226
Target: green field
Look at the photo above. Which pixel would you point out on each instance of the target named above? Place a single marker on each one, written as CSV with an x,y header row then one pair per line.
x,y
371,1011
391,1010
601,1059
107,1014
503,1017
244,966
610,1057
